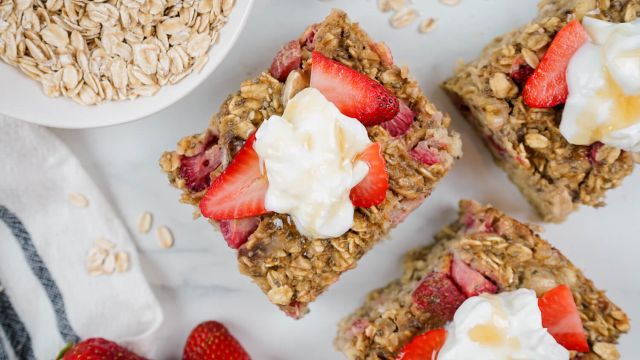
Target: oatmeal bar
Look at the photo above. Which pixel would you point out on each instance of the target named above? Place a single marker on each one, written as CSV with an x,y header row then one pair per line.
x,y
509,254
290,268
553,175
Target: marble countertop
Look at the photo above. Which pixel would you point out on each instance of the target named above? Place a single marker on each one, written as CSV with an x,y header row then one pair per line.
x,y
198,280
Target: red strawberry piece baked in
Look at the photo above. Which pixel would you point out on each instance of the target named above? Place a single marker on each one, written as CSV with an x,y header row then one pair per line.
x,y
211,340
479,264
334,59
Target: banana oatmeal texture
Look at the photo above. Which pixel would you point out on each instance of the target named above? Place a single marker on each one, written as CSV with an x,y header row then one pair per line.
x,y
293,270
526,143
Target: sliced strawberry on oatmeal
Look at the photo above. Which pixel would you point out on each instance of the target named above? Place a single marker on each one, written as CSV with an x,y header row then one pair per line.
x,y
236,232
286,60
424,346
240,190
401,123
438,295
547,87
196,170
372,190
471,282
355,94
561,318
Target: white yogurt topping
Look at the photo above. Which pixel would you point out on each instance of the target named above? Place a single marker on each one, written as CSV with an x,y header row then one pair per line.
x,y
309,157
505,326
604,87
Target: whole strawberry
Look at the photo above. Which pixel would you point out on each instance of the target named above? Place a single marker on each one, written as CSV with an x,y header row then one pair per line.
x,y
212,341
99,349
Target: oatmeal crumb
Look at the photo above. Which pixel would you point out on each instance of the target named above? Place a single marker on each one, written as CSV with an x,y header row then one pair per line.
x,y
450,2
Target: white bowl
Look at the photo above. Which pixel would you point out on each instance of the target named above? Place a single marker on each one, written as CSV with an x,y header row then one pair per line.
x,y
23,98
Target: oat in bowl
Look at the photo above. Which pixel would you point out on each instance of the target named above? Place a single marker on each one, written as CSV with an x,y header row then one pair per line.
x,y
98,53
332,100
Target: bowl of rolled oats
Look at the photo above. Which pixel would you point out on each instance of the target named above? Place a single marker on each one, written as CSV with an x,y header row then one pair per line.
x,y
85,63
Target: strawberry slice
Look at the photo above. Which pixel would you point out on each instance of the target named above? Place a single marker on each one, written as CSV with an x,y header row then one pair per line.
x,y
425,346
547,87
400,124
195,170
286,60
438,295
372,190
471,282
354,93
236,232
240,190
560,317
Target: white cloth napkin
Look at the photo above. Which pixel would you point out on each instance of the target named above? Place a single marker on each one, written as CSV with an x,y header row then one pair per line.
x,y
47,297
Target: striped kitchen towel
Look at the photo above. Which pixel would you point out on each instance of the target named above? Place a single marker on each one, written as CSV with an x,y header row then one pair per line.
x,y
47,296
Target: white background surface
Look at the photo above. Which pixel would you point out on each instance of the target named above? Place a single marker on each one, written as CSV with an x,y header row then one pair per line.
x,y
198,280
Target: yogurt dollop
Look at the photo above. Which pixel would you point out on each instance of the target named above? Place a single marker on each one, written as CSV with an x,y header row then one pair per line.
x,y
504,326
309,155
604,87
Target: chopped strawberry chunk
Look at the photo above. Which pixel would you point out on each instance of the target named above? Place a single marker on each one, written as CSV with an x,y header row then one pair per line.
x,y
354,93
287,59
240,190
308,39
372,190
469,280
236,232
561,318
438,295
425,346
593,152
400,124
425,154
383,51
547,87
195,170
521,71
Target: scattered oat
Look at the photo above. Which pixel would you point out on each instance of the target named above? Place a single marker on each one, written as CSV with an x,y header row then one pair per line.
x,y
450,2
144,222
78,200
390,5
427,25
165,237
636,157
122,261
99,51
403,17
109,265
103,259
105,244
